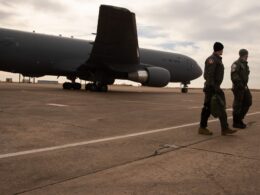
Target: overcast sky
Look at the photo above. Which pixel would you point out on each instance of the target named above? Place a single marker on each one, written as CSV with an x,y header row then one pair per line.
x,y
189,27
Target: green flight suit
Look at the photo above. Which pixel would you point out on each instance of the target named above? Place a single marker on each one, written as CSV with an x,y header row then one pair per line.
x,y
213,74
242,96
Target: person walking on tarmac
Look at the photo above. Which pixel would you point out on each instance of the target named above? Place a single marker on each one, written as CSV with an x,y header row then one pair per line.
x,y
242,96
214,74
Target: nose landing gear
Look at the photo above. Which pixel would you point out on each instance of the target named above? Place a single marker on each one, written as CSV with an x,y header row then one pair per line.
x,y
184,88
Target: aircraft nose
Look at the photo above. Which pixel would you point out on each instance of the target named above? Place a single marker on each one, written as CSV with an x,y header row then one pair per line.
x,y
197,70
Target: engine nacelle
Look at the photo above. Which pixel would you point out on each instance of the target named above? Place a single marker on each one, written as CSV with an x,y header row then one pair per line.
x,y
151,76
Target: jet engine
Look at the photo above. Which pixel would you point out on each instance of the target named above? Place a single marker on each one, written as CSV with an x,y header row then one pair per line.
x,y
151,76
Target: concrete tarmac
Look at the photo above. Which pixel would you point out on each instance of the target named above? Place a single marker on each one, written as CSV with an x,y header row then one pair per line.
x,y
127,141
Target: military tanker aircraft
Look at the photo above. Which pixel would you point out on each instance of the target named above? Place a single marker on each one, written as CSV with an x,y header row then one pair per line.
x,y
115,54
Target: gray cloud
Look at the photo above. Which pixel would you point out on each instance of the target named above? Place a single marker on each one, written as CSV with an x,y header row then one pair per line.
x,y
5,3
5,15
242,27
46,5
174,45
49,5
208,20
150,32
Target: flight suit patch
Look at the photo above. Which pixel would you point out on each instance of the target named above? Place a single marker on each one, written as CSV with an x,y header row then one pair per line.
x,y
233,67
211,61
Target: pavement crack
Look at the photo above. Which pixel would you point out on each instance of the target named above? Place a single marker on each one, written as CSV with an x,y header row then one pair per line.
x,y
84,175
225,153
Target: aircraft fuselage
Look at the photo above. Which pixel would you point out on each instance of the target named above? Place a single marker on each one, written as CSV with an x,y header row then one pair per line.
x,y
36,54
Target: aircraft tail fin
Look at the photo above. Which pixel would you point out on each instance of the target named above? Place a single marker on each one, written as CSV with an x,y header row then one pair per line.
x,y
116,41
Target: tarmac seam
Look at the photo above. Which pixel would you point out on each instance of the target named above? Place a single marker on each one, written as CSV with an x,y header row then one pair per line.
x,y
84,175
225,153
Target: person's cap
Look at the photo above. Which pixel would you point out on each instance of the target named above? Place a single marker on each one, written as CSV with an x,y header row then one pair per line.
x,y
218,46
243,52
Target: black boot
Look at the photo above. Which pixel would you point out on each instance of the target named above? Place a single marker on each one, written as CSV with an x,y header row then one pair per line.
x,y
238,123
243,124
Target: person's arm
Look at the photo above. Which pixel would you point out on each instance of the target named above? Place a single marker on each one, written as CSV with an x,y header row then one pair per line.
x,y
236,77
210,75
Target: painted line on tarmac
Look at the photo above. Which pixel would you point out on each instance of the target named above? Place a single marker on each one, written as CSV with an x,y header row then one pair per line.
x,y
196,107
229,109
142,102
57,105
199,107
22,153
188,100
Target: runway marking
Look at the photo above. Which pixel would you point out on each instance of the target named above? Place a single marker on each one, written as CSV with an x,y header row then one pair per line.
x,y
188,100
142,102
199,107
195,107
57,105
22,153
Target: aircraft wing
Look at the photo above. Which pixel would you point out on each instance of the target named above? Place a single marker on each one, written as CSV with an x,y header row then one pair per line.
x,y
116,44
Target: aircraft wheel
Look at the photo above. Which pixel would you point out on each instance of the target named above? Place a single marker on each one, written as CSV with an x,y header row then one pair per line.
x,y
93,87
67,85
184,90
103,88
88,86
76,86
96,87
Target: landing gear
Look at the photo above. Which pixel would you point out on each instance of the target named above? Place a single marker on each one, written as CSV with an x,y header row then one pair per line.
x,y
69,86
184,88
76,86
97,87
103,88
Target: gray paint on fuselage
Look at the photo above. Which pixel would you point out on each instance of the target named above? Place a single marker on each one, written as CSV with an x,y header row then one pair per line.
x,y
43,54
40,54
181,67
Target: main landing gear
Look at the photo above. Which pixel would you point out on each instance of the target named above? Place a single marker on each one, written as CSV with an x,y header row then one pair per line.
x,y
73,85
97,87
